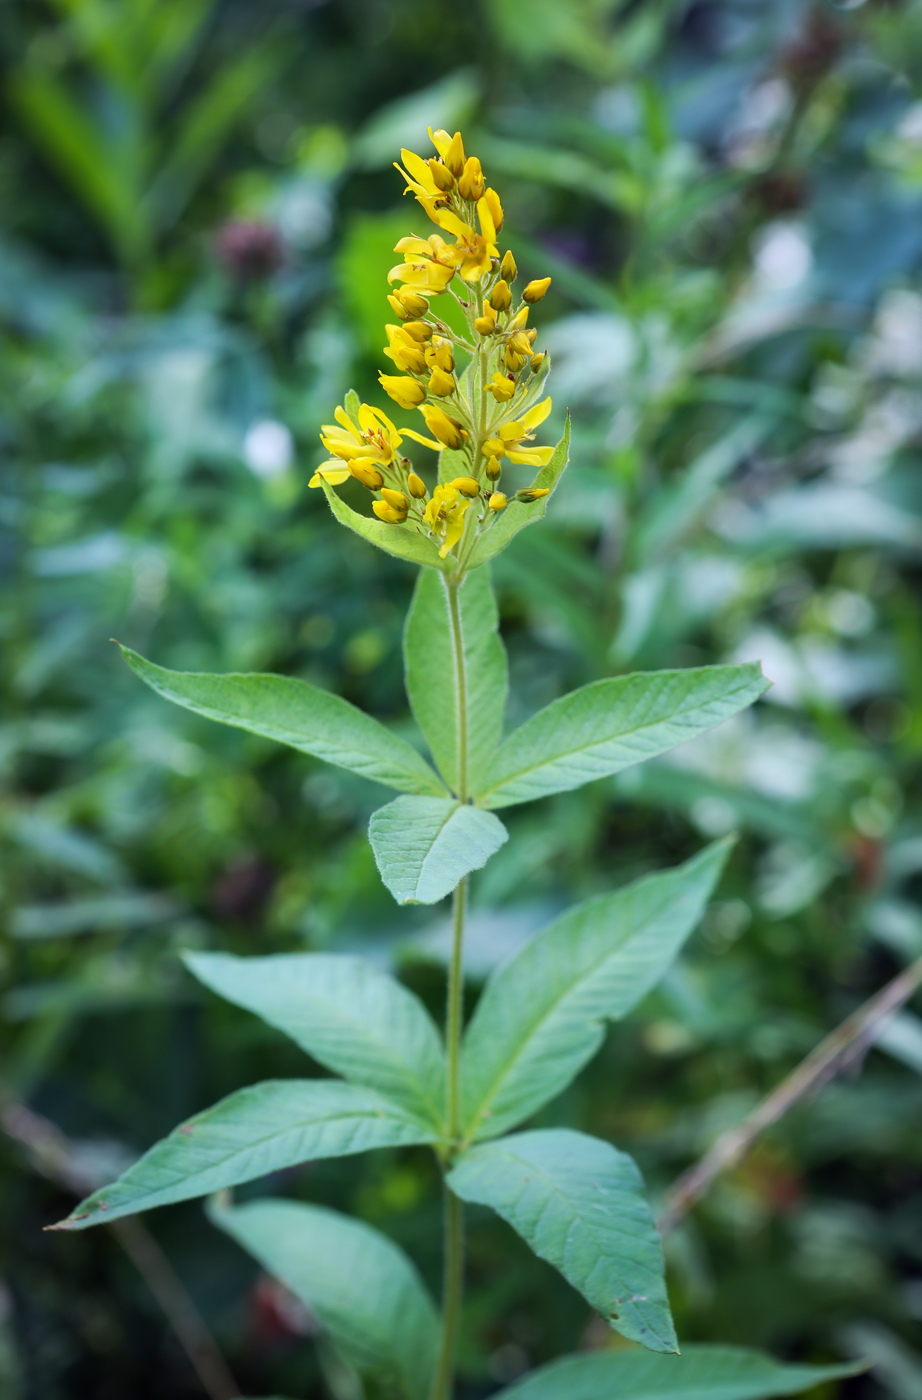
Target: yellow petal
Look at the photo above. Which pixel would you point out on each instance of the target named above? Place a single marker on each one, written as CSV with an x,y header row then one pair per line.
x,y
447,220
485,216
412,244
440,140
417,437
531,456
343,419
419,170
333,472
536,415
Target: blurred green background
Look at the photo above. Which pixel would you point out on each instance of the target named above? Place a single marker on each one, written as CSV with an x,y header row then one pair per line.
x,y
197,208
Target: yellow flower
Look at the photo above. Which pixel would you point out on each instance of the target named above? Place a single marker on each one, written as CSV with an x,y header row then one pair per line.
x,y
445,517
404,350
511,436
535,290
375,437
428,265
441,384
473,252
365,471
406,392
501,387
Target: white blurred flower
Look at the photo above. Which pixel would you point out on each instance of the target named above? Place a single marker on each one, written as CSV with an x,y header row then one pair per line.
x,y
268,448
782,255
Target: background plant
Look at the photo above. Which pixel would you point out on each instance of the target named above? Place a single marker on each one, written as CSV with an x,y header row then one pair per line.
x,y
690,197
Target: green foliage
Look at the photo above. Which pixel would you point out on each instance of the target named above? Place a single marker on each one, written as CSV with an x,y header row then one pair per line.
x,y
349,1017
612,724
542,1014
701,1373
252,1133
579,1203
425,845
297,714
432,673
363,1289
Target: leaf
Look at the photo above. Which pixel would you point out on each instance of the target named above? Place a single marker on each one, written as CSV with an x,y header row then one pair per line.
x,y
610,724
578,1202
518,514
258,1130
432,674
299,715
400,540
356,1021
425,845
700,1373
542,1015
363,1289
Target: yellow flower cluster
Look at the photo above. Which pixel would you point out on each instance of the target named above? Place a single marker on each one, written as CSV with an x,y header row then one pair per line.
x,y
479,393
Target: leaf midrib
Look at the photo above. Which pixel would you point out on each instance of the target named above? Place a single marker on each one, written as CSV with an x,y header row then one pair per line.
x,y
396,1115
508,778
551,1009
254,727
555,1188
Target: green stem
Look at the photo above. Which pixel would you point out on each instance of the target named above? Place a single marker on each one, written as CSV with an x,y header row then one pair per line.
x,y
443,1379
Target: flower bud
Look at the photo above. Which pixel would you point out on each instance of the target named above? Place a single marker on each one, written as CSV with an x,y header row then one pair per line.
x,y
387,513
471,184
440,353
532,493
486,324
365,471
520,343
396,499
501,297
419,330
447,430
495,208
512,360
497,501
508,269
466,485
537,362
493,467
518,320
535,290
412,302
398,306
442,177
417,486
406,392
494,447
441,383
454,156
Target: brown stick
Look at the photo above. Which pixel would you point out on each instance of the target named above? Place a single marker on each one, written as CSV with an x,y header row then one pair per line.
x,y
51,1154
842,1048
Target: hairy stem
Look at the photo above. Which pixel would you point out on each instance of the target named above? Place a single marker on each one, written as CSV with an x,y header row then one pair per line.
x,y
443,1379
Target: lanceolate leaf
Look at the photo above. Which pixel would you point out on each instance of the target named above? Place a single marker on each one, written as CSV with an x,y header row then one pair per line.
x,y
360,1286
432,673
610,724
296,714
579,1203
261,1129
518,514
355,1020
425,845
700,1373
542,1014
403,541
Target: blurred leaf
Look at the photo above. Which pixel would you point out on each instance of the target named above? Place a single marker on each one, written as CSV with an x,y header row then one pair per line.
x,y
579,1203
125,909
262,1129
447,103
542,1015
363,1289
700,1373
349,1017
